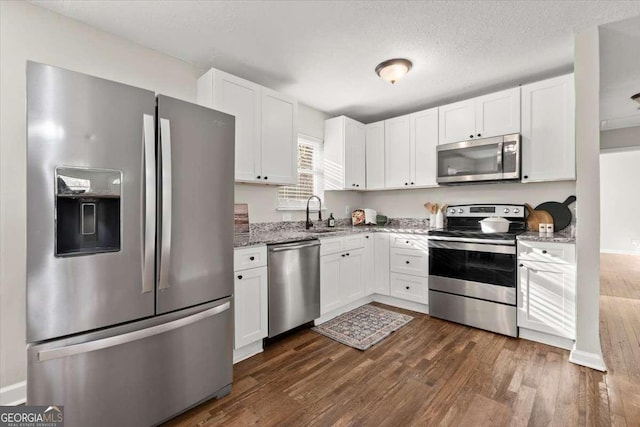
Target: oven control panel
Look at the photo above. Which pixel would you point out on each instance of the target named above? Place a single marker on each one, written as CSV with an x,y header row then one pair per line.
x,y
483,211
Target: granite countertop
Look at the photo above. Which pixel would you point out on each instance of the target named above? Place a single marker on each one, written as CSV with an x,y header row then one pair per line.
x,y
563,236
294,235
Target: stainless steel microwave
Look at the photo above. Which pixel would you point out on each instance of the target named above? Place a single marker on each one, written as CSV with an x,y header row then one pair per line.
x,y
487,159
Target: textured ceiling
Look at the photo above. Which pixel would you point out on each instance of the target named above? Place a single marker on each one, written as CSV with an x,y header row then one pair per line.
x,y
324,52
619,73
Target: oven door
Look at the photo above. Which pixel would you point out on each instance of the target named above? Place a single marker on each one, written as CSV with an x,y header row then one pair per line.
x,y
478,270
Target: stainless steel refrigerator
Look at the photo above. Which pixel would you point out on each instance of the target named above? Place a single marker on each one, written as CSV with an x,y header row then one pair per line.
x,y
129,250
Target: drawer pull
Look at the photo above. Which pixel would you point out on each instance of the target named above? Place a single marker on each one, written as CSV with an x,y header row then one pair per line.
x,y
407,262
343,255
252,258
240,277
521,265
407,287
366,237
407,242
347,253
544,251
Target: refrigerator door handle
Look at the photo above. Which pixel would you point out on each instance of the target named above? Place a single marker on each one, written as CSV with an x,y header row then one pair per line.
x,y
165,250
100,344
149,211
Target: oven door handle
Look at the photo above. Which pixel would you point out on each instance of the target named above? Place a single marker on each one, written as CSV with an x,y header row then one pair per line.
x,y
472,240
473,247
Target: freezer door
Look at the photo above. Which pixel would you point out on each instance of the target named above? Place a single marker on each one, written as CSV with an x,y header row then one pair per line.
x,y
195,204
139,374
90,263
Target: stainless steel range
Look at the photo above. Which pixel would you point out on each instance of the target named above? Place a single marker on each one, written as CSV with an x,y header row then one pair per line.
x,y
472,274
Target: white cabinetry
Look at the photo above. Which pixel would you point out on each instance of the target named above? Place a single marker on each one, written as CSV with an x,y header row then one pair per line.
x,y
397,154
547,288
250,306
381,263
266,126
424,141
482,117
342,265
250,301
410,150
368,263
548,130
374,137
409,267
344,154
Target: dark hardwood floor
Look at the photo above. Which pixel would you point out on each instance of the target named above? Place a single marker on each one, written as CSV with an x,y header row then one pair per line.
x,y
433,372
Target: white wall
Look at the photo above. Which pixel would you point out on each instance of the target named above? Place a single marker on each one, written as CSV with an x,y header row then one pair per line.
x,y
620,138
619,174
410,203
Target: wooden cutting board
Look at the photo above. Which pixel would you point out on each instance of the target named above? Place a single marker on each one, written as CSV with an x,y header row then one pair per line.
x,y
537,217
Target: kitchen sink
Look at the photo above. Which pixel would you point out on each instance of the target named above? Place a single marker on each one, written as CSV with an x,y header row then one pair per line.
x,y
322,230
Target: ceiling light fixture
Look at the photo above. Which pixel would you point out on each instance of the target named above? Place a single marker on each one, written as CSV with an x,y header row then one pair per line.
x,y
393,70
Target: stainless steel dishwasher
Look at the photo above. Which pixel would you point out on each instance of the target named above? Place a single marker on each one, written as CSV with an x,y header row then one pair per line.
x,y
294,285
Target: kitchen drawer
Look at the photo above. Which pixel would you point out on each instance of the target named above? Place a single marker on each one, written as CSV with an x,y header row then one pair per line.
x,y
331,246
409,241
354,242
410,288
564,253
409,261
244,258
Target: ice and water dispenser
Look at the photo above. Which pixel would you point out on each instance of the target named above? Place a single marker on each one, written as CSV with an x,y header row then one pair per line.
x,y
88,211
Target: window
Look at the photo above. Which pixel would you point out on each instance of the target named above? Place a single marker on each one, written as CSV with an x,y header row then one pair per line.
x,y
310,177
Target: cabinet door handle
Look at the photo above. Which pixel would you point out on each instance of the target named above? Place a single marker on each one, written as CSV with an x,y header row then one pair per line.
x,y
240,277
479,134
526,177
347,253
544,251
407,287
406,183
259,177
366,237
343,255
470,136
407,262
266,177
412,183
521,265
407,242
357,185
252,258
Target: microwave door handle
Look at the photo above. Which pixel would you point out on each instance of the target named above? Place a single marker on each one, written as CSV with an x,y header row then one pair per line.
x,y
165,249
149,211
500,155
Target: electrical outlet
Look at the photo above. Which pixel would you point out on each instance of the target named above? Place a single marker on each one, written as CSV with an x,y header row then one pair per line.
x,y
287,216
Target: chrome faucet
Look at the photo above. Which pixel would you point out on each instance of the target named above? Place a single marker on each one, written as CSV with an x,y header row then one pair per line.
x,y
309,224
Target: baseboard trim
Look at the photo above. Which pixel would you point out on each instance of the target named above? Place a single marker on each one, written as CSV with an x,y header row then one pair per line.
x,y
14,394
590,360
544,338
619,252
400,303
247,351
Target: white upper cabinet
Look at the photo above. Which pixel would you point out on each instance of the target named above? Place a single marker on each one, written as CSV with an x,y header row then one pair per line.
x,y
374,138
397,152
482,117
279,154
266,126
424,141
457,121
548,130
344,154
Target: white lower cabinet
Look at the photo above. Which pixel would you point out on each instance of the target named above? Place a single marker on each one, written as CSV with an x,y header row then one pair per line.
x,y
351,276
412,288
330,282
250,301
409,267
547,289
381,263
250,306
